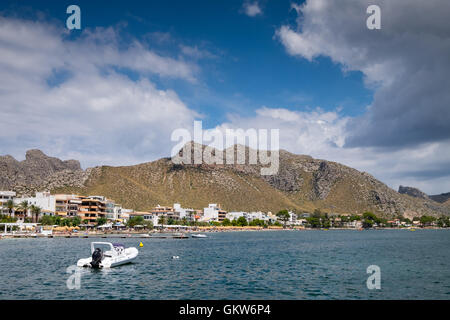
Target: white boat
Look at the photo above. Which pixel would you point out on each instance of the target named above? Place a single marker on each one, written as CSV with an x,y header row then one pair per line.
x,y
114,255
199,236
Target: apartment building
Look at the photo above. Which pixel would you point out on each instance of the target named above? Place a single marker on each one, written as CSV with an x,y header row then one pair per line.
x,y
43,200
168,212
214,213
182,213
67,205
92,208
5,196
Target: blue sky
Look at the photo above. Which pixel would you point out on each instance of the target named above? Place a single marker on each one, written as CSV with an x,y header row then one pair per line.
x,y
246,68
113,92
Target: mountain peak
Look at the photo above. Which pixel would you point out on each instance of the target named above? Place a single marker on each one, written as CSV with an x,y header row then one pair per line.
x,y
34,153
413,192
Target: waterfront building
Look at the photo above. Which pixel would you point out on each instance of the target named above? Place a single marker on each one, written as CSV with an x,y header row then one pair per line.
x,y
162,211
113,211
234,215
292,219
125,215
43,200
5,196
110,205
67,205
357,224
146,215
213,213
92,208
181,213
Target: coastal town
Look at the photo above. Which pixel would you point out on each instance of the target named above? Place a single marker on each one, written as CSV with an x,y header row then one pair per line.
x,y
67,213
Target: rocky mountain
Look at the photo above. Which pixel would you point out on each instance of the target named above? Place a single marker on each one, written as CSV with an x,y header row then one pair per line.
x,y
413,192
302,183
39,171
441,198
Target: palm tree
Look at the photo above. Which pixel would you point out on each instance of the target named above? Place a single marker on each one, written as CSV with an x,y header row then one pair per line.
x,y
162,220
10,206
35,212
23,206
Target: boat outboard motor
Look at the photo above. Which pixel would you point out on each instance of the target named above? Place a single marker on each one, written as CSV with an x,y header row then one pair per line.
x,y
97,257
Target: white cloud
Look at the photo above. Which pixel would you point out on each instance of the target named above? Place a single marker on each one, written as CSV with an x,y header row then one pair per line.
x,y
252,9
92,112
322,135
406,63
404,135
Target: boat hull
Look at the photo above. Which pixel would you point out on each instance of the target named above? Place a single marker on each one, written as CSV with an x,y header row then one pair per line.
x,y
111,261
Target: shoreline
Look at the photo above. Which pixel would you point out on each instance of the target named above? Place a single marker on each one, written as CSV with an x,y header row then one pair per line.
x,y
181,235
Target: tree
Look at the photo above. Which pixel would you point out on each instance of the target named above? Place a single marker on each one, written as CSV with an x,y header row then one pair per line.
x,y
134,221
317,213
23,206
76,221
101,221
443,222
162,220
226,222
35,212
241,222
47,220
426,220
10,206
369,219
314,222
284,216
7,219
148,224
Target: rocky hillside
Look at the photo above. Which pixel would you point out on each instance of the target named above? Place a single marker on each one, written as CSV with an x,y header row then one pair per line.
x,y
39,172
302,184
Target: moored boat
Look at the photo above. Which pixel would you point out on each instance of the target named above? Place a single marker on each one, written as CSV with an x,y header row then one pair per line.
x,y
115,255
199,236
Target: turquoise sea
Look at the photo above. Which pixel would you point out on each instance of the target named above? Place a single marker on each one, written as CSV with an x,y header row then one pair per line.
x,y
238,265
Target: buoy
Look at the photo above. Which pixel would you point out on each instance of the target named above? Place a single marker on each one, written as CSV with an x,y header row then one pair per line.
x,y
141,244
175,257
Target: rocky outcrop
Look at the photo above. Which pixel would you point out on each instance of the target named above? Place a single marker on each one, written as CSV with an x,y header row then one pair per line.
x,y
413,192
39,172
324,179
441,198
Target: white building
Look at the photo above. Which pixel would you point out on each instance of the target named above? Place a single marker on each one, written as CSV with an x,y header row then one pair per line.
x,y
292,219
236,215
213,213
125,214
43,200
189,214
259,215
5,196
114,212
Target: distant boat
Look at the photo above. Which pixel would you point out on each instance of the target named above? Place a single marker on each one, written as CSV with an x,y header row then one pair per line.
x,y
199,236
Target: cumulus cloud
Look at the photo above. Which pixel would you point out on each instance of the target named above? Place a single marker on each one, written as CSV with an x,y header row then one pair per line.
x,y
404,136
73,98
252,9
406,62
322,134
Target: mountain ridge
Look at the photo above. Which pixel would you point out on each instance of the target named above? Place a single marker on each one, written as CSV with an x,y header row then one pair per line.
x,y
302,184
